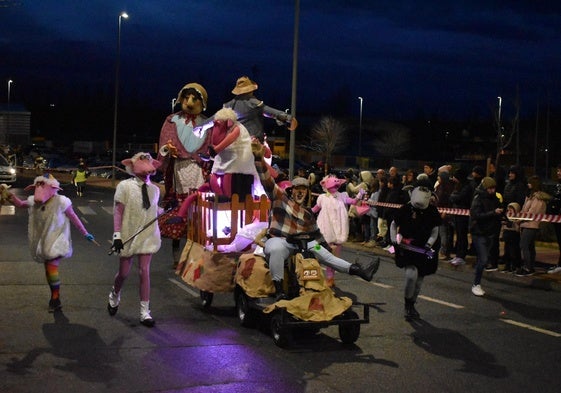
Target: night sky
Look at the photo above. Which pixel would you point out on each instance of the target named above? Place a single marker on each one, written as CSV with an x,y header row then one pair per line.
x,y
450,59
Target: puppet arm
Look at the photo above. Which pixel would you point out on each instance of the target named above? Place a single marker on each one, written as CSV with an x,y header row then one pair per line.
x,y
228,140
316,208
73,217
16,201
432,239
117,224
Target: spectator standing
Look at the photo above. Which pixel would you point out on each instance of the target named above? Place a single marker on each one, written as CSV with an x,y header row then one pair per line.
x,y
460,198
511,238
373,213
443,191
409,177
477,174
484,219
382,223
536,203
554,207
516,188
430,171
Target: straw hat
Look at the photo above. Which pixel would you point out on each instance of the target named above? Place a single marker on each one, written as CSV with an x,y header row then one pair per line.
x,y
244,85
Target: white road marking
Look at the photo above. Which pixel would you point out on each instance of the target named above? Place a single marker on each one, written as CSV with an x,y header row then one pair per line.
x,y
108,209
531,327
86,210
184,287
379,284
448,304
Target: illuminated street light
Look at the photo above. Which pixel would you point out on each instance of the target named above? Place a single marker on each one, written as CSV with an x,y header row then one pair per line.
x,y
360,130
117,63
9,87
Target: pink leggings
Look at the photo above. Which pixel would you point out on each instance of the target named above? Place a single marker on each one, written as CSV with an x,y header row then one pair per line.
x,y
125,264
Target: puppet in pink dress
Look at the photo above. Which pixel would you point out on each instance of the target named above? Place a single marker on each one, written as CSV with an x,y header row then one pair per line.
x,y
333,219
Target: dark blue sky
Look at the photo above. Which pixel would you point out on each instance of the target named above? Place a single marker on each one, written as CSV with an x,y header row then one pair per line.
x,y
451,58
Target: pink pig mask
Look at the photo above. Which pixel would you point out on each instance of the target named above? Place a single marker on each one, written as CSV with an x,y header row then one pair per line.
x,y
332,183
45,187
141,165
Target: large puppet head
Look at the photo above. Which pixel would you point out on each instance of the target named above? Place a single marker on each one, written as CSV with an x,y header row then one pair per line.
x,y
193,98
141,165
224,119
299,189
45,187
331,183
421,195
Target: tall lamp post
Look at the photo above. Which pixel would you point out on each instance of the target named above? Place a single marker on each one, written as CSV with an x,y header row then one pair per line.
x,y
360,129
117,63
9,89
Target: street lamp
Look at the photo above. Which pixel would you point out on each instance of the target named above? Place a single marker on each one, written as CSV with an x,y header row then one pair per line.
x,y
9,86
360,130
499,115
122,15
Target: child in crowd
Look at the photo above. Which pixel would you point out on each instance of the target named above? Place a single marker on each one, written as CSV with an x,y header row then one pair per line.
x,y
511,238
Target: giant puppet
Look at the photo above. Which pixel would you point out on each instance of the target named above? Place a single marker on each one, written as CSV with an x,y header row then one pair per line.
x,y
179,153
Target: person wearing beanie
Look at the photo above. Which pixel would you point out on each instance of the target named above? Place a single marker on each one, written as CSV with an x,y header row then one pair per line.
x,y
554,207
460,198
484,219
477,174
535,203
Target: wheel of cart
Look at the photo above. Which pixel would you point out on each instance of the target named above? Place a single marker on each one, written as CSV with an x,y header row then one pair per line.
x,y
247,315
206,299
349,327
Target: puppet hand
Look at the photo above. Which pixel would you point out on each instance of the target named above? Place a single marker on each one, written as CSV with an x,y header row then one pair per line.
x,y
117,243
293,124
257,150
211,151
89,237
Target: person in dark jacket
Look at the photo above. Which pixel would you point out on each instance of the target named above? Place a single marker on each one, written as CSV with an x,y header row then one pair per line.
x,y
460,198
484,220
516,187
554,207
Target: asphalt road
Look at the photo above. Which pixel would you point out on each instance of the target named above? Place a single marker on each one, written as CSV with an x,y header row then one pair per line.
x,y
510,340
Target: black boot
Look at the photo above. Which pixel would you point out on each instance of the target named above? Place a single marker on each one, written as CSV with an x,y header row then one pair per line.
x,y
366,272
410,312
279,290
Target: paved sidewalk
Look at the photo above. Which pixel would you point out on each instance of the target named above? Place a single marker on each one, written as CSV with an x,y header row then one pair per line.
x,y
547,255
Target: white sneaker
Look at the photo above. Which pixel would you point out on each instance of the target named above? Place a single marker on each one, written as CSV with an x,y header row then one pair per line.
x,y
554,269
114,298
477,290
458,261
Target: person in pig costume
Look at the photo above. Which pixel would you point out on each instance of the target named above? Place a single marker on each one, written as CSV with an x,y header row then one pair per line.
x,y
135,206
333,220
50,215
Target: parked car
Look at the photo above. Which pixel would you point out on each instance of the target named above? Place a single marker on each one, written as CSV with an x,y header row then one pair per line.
x,y
7,171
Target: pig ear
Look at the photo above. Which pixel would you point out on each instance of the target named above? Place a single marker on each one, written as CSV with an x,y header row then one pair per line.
x,y
127,162
156,164
230,123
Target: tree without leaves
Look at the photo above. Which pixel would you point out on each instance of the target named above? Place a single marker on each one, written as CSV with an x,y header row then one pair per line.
x,y
392,139
328,136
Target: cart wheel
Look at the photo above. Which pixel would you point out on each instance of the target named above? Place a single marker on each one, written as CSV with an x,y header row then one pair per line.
x,y
349,332
246,315
282,335
206,298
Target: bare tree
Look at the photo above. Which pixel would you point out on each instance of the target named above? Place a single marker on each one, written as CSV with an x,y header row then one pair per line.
x,y
328,136
392,139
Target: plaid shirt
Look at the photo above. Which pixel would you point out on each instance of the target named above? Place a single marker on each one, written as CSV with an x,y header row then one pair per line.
x,y
287,216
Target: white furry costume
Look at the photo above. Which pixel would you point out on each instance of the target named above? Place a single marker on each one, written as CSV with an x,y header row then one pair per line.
x,y
129,193
333,220
49,229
